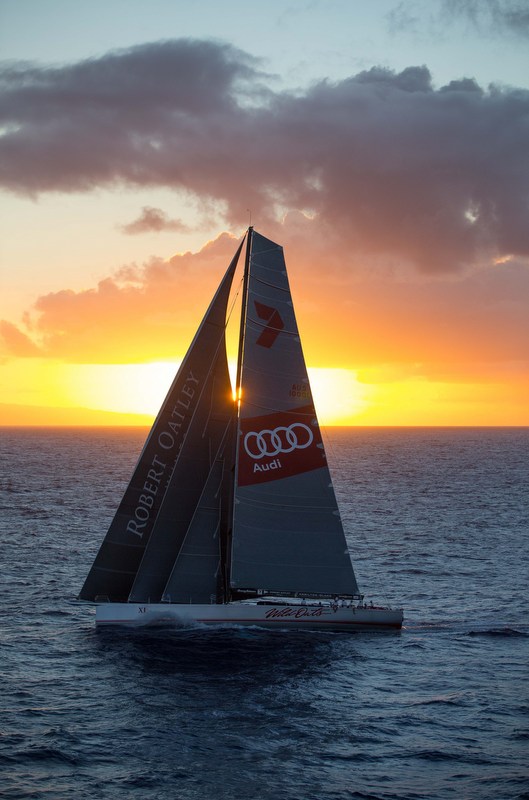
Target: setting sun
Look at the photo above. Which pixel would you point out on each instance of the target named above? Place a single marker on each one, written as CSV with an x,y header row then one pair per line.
x,y
338,396
40,392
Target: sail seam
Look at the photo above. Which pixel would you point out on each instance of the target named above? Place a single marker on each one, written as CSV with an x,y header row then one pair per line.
x,y
296,378
325,509
271,327
294,411
264,250
271,285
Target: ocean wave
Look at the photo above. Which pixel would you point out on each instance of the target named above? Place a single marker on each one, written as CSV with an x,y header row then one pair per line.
x,y
217,714
448,755
450,699
498,632
53,754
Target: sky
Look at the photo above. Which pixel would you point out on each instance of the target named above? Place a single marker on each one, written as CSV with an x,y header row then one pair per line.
x,y
384,144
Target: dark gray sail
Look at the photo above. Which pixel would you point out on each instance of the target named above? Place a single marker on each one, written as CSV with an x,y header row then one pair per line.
x,y
202,379
212,414
195,577
287,533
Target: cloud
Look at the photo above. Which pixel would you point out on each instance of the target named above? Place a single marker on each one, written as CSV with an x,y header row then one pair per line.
x,y
119,118
138,314
385,324
495,17
492,18
437,178
16,342
153,220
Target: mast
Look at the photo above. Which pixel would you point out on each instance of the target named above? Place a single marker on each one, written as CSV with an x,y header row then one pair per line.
x,y
226,549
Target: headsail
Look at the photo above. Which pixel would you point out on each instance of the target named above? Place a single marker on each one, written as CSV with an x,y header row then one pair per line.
x,y
287,532
201,383
213,413
197,574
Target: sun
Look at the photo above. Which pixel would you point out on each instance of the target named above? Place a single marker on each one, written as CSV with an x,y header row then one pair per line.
x,y
338,395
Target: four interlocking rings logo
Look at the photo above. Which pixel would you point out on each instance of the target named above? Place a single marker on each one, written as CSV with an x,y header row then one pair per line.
x,y
281,440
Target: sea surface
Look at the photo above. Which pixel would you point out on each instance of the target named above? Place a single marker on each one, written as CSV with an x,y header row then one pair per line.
x,y
437,522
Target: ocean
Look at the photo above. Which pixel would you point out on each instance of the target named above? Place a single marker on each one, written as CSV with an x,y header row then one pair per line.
x,y
437,522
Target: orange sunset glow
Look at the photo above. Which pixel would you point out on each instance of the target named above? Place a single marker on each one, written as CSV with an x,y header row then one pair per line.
x,y
376,355
380,351
131,175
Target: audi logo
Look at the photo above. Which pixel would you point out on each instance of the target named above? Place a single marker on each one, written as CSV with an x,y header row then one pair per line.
x,y
281,440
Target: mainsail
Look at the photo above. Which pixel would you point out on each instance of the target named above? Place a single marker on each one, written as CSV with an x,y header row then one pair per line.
x,y
167,483
287,533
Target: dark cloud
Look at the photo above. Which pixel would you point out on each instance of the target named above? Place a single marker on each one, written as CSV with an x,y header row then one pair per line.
x,y
153,220
117,118
434,177
495,17
492,18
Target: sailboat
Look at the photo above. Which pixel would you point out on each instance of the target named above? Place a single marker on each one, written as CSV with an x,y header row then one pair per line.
x,y
230,517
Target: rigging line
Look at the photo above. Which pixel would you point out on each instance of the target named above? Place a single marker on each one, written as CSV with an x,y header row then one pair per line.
x,y
230,311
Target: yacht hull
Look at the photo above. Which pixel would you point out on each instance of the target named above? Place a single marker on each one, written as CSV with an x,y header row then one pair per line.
x,y
259,614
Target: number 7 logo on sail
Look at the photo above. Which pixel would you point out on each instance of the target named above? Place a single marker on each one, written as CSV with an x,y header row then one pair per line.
x,y
274,327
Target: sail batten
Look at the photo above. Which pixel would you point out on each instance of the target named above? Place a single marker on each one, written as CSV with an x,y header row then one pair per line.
x,y
273,286
256,324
